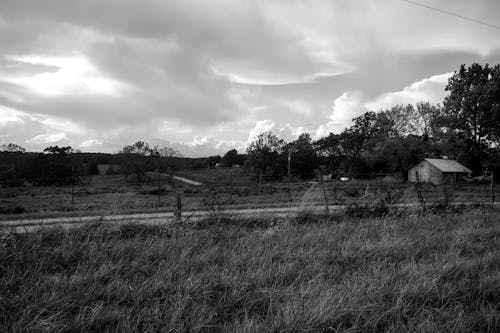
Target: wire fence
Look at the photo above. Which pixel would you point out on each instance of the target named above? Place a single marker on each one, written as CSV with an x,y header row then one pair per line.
x,y
115,194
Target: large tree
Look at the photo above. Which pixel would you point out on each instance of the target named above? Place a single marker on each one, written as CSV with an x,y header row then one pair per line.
x,y
472,108
12,148
58,150
232,158
303,156
421,120
137,159
265,155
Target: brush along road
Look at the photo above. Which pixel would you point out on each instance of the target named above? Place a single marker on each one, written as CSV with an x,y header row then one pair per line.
x,y
169,217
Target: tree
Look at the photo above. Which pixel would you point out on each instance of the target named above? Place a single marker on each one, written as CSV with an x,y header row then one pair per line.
x,y
213,161
420,120
138,148
265,155
232,158
304,159
166,152
330,151
472,109
58,150
12,148
138,159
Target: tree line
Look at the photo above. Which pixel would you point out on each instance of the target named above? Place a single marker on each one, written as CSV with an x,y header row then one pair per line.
x,y
466,127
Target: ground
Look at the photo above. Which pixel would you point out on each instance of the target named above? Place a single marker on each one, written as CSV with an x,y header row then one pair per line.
x,y
411,272
113,194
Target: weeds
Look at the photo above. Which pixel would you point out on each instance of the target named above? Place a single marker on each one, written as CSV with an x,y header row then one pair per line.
x,y
376,209
418,273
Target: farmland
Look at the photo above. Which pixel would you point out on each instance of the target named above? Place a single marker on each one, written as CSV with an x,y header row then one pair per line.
x,y
223,188
412,272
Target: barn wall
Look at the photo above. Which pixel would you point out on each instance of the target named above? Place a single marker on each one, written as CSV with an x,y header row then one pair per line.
x,y
427,173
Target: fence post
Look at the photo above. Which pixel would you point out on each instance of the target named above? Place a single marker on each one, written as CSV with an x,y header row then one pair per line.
x,y
319,174
492,189
419,192
289,178
231,187
260,183
159,188
178,199
72,186
178,210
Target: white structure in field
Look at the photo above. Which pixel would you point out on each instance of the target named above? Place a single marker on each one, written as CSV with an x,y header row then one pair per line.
x,y
437,171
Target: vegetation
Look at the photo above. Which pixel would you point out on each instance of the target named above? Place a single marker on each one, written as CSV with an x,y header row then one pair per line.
x,y
394,274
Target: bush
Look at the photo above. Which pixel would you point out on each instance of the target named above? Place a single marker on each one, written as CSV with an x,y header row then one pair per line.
x,y
375,209
151,190
308,217
223,220
352,192
12,210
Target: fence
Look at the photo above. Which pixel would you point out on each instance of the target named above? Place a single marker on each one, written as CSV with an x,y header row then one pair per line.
x,y
114,194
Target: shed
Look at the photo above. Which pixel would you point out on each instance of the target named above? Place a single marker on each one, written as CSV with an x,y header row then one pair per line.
x,y
437,171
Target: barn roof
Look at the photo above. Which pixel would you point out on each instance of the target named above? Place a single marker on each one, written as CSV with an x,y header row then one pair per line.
x,y
448,165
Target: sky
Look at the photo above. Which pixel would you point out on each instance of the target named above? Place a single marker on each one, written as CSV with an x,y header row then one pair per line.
x,y
204,77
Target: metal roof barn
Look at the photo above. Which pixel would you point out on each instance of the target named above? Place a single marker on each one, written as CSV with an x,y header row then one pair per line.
x,y
437,171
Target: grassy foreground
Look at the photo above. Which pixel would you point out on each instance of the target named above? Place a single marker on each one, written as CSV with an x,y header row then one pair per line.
x,y
413,273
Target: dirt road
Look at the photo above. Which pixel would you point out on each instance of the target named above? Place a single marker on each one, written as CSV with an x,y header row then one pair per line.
x,y
188,181
148,218
169,218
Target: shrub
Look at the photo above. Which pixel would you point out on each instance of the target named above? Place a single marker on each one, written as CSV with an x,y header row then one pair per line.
x,y
235,221
153,190
310,217
12,210
375,209
352,192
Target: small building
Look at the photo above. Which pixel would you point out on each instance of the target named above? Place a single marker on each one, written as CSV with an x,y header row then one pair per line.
x,y
437,171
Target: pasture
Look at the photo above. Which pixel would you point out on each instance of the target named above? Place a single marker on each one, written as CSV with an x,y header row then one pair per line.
x,y
411,272
223,188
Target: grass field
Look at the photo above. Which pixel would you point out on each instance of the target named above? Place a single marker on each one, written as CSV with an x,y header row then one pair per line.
x,y
419,273
113,194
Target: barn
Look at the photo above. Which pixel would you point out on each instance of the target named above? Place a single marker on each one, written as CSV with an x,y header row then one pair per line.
x,y
437,171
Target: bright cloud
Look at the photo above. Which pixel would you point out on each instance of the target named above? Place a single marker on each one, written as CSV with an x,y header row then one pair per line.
x,y
429,89
91,143
74,75
47,138
352,104
346,107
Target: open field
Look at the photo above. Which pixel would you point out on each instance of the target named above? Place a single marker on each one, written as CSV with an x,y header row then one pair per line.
x,y
109,195
408,273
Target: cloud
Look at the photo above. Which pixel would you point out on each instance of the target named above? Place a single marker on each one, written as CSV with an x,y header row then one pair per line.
x,y
117,71
429,89
346,107
48,138
352,104
72,75
91,143
261,126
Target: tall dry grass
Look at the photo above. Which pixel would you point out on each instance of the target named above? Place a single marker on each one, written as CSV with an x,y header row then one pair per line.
x,y
413,273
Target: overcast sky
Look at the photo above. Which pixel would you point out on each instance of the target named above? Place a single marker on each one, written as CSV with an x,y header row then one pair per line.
x,y
205,76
